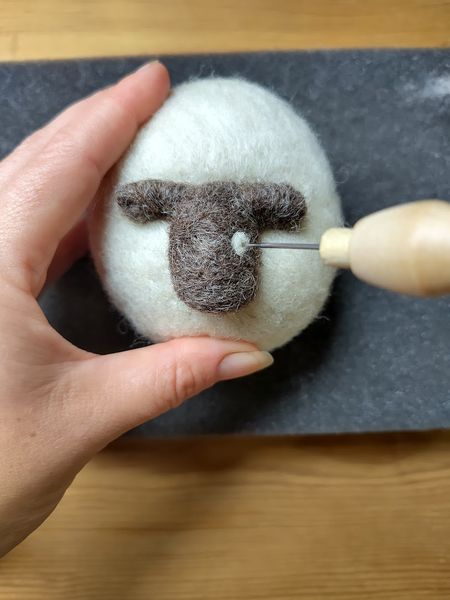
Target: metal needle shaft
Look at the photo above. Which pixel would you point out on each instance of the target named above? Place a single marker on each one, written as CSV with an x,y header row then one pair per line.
x,y
287,245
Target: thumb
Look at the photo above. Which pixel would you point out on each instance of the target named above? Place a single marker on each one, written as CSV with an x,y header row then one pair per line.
x,y
120,391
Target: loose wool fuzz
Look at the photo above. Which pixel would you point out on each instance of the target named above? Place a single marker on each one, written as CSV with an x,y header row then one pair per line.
x,y
224,162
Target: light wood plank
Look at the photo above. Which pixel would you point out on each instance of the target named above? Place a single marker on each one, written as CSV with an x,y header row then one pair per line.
x,y
55,29
229,519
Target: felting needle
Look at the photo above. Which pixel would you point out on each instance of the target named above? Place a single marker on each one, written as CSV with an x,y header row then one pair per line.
x,y
288,245
404,248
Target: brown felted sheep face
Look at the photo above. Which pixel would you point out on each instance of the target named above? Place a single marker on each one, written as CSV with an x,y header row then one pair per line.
x,y
208,272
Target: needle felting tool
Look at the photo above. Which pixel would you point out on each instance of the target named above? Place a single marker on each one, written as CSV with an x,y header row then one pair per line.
x,y
404,248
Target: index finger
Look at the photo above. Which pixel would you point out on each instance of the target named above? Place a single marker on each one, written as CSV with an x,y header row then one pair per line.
x,y
60,179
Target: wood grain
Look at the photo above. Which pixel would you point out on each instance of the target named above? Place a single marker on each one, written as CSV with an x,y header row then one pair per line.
x,y
346,517
56,29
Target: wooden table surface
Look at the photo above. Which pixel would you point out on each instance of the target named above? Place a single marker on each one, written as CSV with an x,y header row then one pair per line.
x,y
323,517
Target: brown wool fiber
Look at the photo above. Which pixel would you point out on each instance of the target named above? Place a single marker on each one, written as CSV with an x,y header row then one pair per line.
x,y
207,273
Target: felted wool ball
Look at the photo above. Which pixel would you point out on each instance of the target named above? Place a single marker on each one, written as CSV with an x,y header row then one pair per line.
x,y
223,163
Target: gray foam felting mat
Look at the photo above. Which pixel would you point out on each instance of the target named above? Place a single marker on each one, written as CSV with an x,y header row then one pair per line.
x,y
374,360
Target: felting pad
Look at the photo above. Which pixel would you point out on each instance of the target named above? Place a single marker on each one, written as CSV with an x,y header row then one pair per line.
x,y
374,360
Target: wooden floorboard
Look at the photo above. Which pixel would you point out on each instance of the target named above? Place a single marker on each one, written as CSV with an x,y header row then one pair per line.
x,y
71,28
328,517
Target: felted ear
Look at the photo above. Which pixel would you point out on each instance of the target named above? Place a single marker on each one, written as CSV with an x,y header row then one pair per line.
x,y
149,199
276,205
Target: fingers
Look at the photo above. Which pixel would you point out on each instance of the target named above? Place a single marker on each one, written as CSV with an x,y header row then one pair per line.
x,y
65,165
114,393
71,248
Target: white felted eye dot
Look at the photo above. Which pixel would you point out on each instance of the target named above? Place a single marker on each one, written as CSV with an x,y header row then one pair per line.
x,y
215,140
240,242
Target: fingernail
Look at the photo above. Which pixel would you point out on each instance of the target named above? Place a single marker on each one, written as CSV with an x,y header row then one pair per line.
x,y
239,364
147,65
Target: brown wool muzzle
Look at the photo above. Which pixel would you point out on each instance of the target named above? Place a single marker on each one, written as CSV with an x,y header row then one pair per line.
x,y
207,273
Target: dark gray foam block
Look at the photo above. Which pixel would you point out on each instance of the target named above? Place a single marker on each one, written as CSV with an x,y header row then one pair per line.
x,y
374,360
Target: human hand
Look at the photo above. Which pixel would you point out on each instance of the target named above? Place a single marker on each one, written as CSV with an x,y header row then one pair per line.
x,y
59,405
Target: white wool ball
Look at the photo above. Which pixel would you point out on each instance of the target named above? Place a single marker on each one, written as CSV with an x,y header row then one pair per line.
x,y
213,130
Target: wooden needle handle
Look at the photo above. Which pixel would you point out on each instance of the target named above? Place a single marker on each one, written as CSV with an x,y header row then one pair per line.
x,y
405,248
